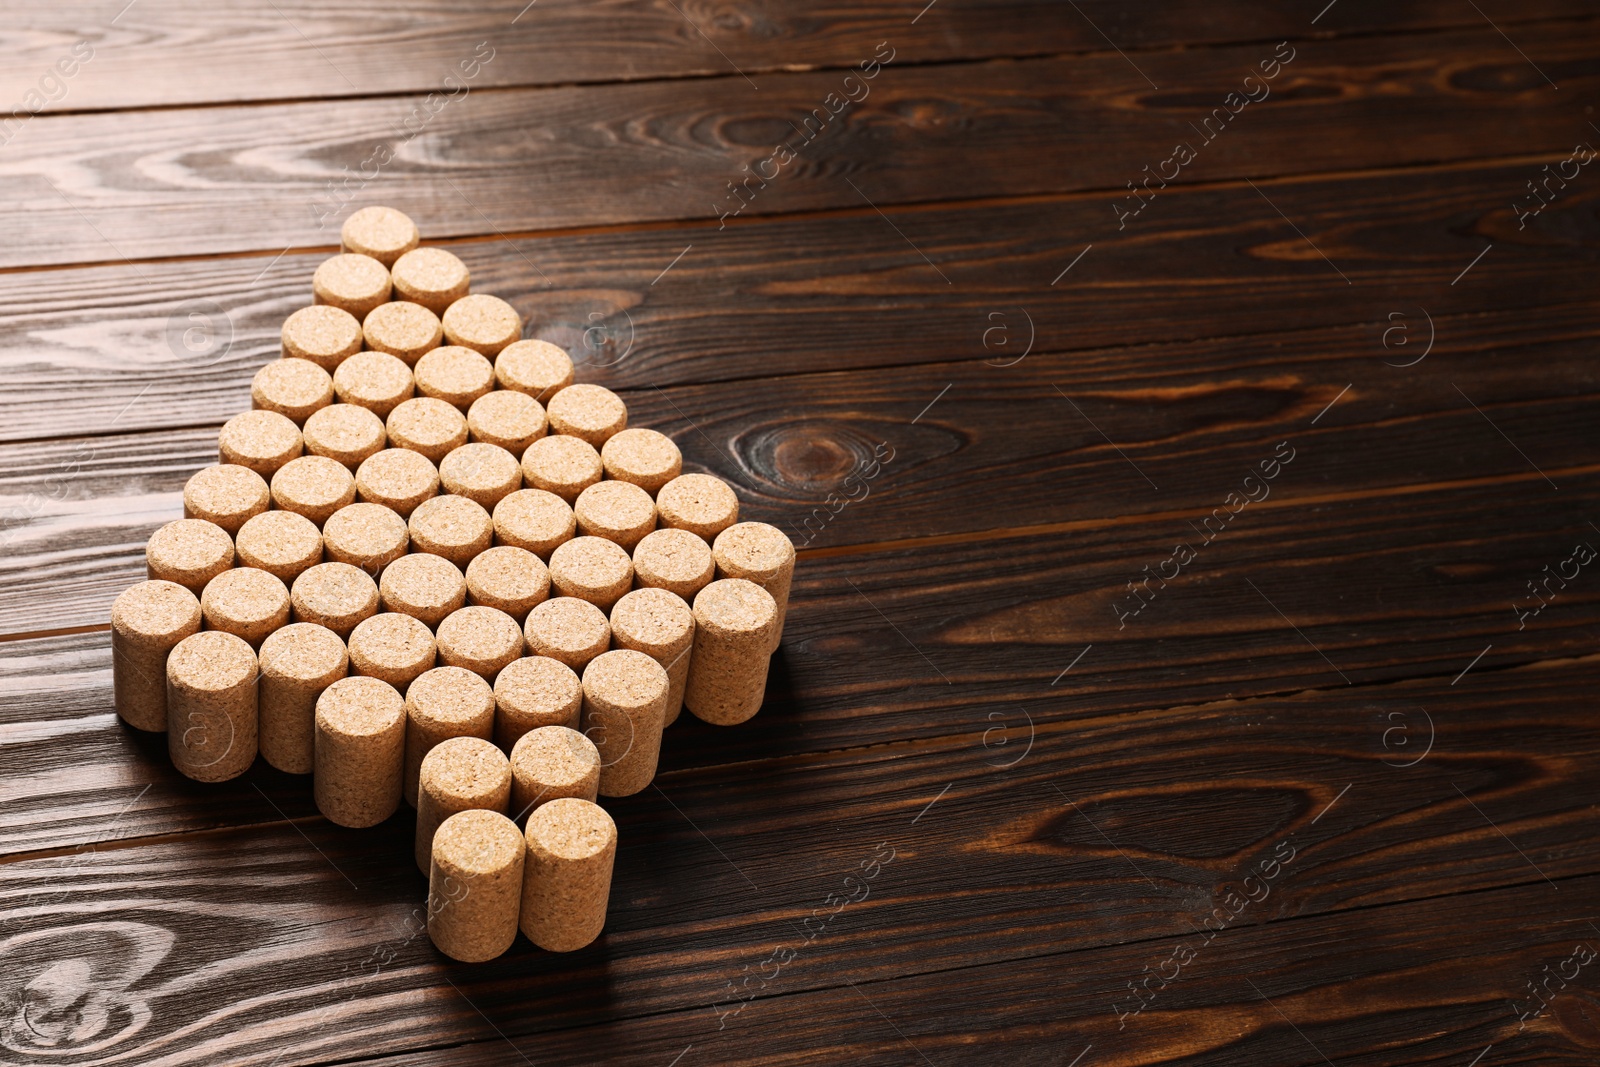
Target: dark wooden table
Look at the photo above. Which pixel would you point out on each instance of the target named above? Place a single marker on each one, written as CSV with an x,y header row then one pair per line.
x,y
1187,414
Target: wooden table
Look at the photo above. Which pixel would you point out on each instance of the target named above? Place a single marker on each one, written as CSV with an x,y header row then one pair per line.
x,y
1185,411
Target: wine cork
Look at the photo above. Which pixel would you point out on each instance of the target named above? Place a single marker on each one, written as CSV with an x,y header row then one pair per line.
x,y
456,375
281,543
260,440
482,323
226,494
549,763
358,750
624,711
660,625
147,622
699,503
393,648
352,283
532,692
483,473
368,536
592,569
376,381
398,479
506,418
402,329
568,630
297,663
294,388
334,595
483,640
475,885
211,706
442,703
458,774
620,512
643,457
537,368
675,560
511,579
380,232
424,586
761,554
534,519
735,626
591,412
188,552
344,432
566,881
247,603
427,425
324,334
565,466
313,486
431,277
451,526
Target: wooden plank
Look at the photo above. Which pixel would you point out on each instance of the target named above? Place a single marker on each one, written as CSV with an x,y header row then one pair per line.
x,y
102,187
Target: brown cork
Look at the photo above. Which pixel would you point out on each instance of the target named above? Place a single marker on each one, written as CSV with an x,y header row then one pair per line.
x,y
335,595
393,648
402,329
281,543
211,706
549,763
762,554
189,552
511,579
624,711
431,277
618,511
475,885
534,519
700,503
260,440
358,750
368,536
325,335
592,569
427,425
481,472
147,622
344,432
506,418
294,388
736,623
532,692
483,640
297,663
644,457
482,323
351,282
376,381
568,630
225,494
247,603
380,232
451,526
442,703
591,412
424,586
661,625
565,466
313,486
397,478
456,375
458,774
675,560
566,882
537,368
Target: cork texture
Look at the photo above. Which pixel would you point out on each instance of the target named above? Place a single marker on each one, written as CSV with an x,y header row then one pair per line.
x,y
344,432
245,602
358,751
337,596
458,774
260,440
225,494
392,648
591,412
376,381
211,706
761,554
442,703
427,425
475,885
482,640
537,368
551,762
592,569
736,623
398,479
294,388
325,335
534,519
368,536
568,630
188,552
620,512
481,472
451,526
431,277
642,457
661,625
675,560
351,282
424,586
147,622
456,375
532,692
402,329
380,232
281,543
297,663
482,323
565,466
624,709
700,503
511,579
571,846
506,418
313,486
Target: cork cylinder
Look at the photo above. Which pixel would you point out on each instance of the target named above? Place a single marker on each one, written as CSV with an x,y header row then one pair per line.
x,y
376,381
359,749
247,603
298,662
475,881
393,648
511,579
368,536
661,625
456,375
562,465
427,425
571,846
351,282
334,595
700,503
188,552
537,368
592,569
481,472
451,526
482,323
624,709
506,418
431,277
424,586
397,478
402,329
380,232
735,626
567,630
549,763
294,388
675,560
344,432
761,554
591,412
458,774
313,486
532,692
147,622
324,334
442,703
535,520
643,457
211,706
281,543
620,512
260,440
483,640
225,494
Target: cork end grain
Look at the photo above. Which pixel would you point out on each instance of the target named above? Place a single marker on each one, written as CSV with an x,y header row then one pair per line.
x,y
147,622
506,418
700,503
380,232
368,536
483,323
571,847
431,277
456,375
398,479
281,543
620,512
481,472
568,630
427,425
511,579
549,763
537,368
160,612
534,519
592,569
313,486
424,586
298,662
211,662
393,648
189,552
225,494
247,603
376,381
532,692
334,595
359,747
451,526
351,282
323,334
481,639
404,330
475,885
263,441
590,412
294,388
675,560
565,466
643,457
304,654
344,432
